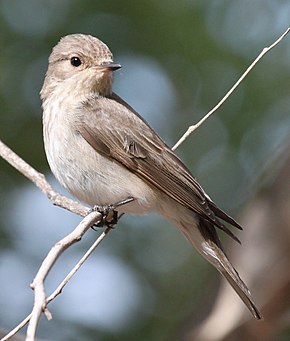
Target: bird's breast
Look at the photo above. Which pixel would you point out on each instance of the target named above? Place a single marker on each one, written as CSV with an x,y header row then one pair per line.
x,y
85,173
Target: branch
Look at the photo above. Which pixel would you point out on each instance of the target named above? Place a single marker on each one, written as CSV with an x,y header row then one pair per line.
x,y
40,299
59,289
37,285
192,128
39,180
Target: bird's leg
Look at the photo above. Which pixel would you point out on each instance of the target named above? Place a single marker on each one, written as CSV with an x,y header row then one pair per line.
x,y
110,216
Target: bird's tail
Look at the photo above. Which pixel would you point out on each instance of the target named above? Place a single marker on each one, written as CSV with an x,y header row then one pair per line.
x,y
205,239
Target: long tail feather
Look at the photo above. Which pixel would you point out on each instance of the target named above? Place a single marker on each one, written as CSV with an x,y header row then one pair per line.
x,y
206,241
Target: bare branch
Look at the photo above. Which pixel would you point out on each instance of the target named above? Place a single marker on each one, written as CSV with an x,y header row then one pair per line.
x,y
39,180
38,282
16,329
40,299
59,289
192,128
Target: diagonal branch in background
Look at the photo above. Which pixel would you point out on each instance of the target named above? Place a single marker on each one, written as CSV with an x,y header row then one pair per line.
x,y
193,127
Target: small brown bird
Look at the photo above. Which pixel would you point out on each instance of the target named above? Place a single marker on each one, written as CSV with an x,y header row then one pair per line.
x,y
102,151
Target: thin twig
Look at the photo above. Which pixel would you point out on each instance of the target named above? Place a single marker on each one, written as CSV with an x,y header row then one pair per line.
x,y
15,330
38,282
192,128
58,290
60,287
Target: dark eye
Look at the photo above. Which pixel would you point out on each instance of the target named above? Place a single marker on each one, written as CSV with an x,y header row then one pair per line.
x,y
75,61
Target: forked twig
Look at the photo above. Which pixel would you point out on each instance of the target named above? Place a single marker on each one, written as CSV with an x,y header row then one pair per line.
x,y
37,285
60,287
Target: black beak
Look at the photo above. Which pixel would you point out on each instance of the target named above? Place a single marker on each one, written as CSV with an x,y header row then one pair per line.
x,y
108,67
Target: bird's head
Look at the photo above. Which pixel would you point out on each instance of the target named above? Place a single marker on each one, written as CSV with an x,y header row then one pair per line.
x,y
80,63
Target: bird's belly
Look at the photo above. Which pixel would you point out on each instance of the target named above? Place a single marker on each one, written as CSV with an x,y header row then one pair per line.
x,y
94,178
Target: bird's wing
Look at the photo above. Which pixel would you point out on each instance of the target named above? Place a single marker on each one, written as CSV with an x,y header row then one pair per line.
x,y
109,126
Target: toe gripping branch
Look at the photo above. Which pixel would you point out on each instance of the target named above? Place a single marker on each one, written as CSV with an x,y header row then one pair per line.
x,y
110,216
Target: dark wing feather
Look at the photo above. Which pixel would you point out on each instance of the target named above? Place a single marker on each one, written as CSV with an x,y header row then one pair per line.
x,y
108,124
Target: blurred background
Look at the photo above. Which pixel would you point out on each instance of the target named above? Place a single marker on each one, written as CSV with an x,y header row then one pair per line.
x,y
145,282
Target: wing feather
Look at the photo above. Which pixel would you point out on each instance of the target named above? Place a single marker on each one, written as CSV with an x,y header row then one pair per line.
x,y
144,153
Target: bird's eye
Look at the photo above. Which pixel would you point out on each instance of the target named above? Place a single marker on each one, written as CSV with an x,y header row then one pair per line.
x,y
75,61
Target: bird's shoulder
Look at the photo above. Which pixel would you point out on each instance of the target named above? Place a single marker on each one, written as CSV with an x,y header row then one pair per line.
x,y
119,124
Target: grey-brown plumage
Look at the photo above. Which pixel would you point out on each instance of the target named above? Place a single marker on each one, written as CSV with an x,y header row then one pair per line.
x,y
103,151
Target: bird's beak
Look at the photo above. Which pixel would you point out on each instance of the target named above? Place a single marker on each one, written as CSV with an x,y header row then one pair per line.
x,y
107,67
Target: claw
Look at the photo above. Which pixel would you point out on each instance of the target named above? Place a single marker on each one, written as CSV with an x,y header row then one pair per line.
x,y
109,214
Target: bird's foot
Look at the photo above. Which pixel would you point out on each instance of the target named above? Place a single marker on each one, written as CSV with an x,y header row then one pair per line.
x,y
110,216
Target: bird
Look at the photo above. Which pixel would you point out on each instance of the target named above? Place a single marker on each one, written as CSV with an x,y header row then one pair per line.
x,y
103,152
